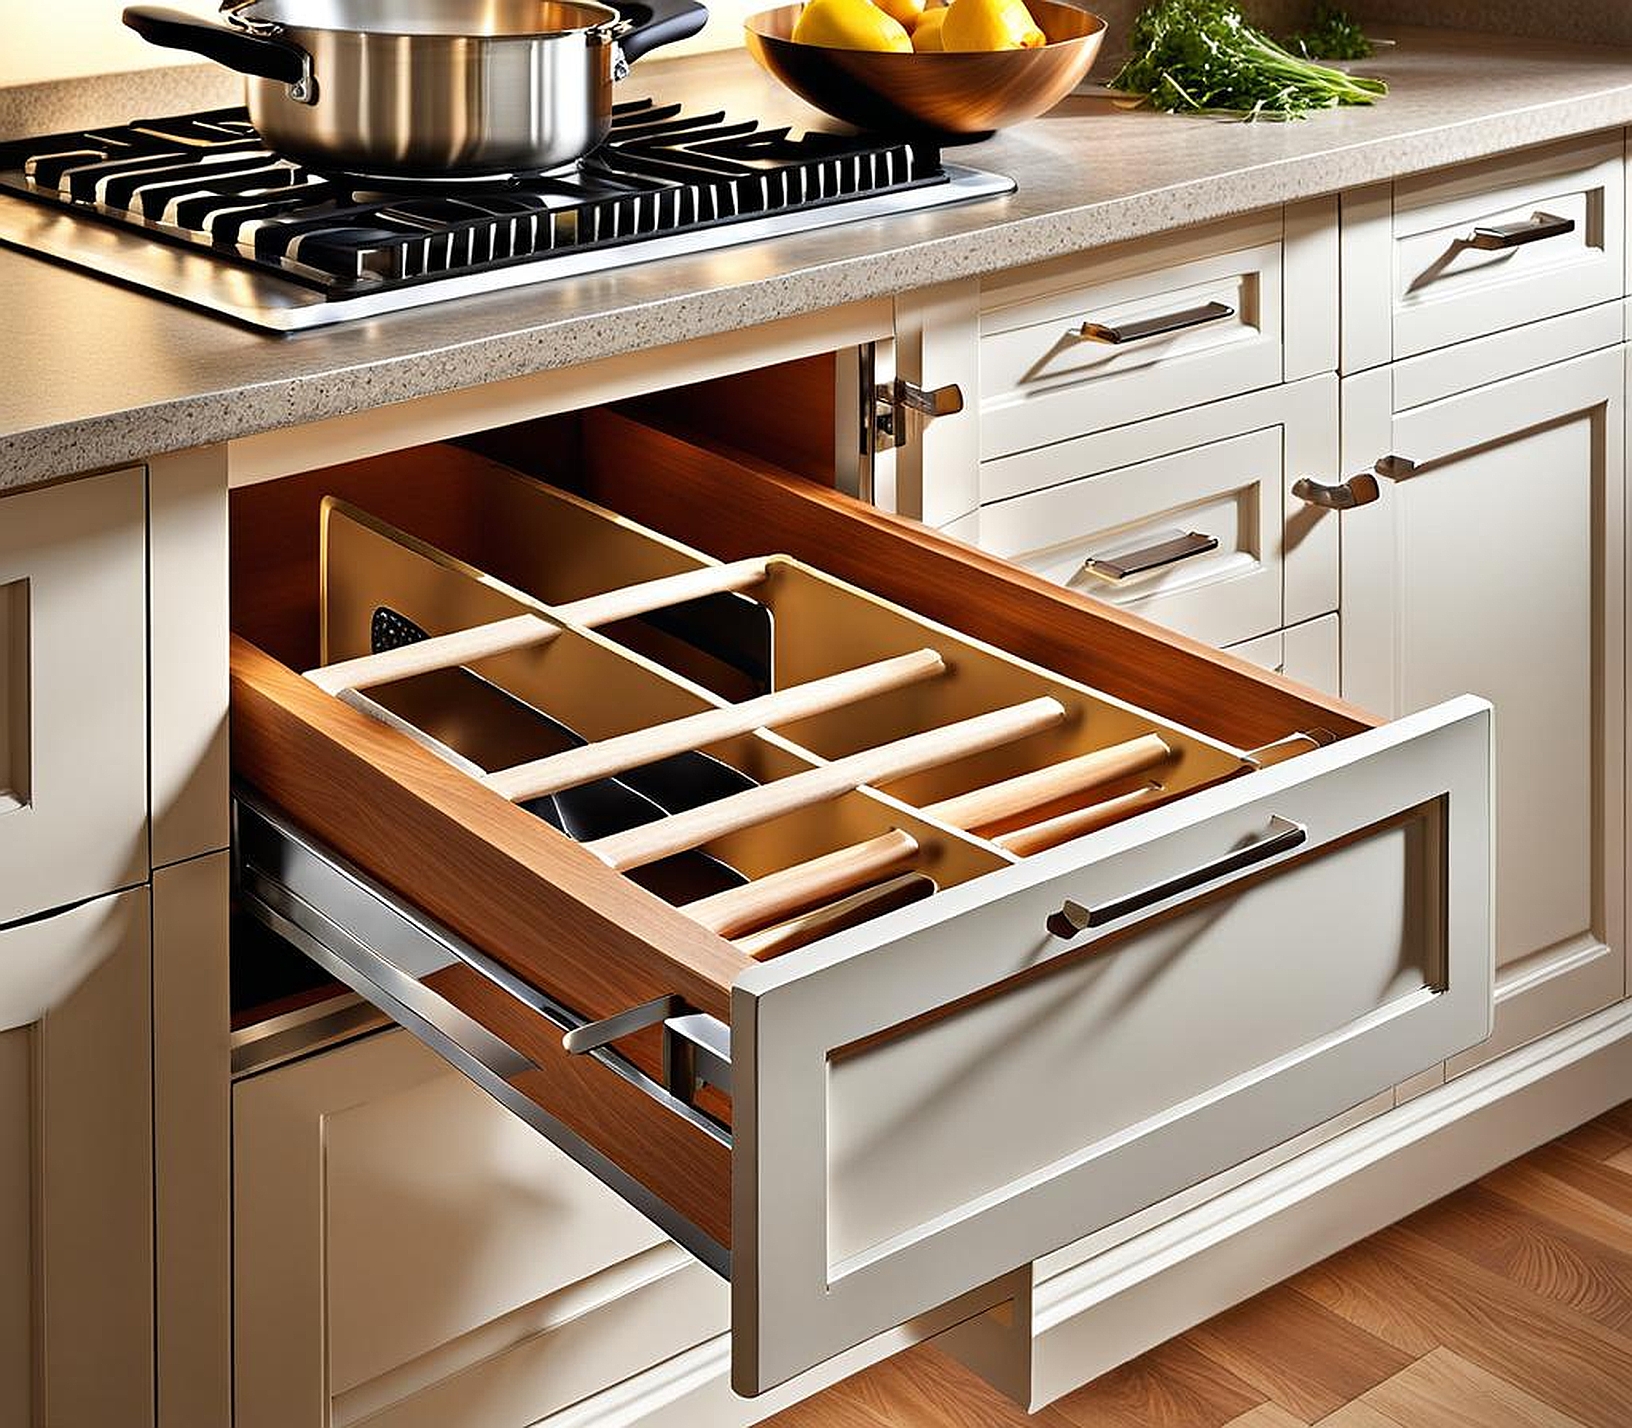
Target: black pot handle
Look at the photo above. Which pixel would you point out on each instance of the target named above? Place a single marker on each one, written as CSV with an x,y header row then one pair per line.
x,y
248,54
658,22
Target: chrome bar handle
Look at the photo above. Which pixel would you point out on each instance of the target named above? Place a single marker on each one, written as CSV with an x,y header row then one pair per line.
x,y
1160,326
1073,918
1167,548
1496,238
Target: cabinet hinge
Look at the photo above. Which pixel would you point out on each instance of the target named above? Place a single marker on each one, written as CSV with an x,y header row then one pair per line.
x,y
894,402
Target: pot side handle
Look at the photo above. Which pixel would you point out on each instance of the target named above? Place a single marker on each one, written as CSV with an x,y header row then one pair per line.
x,y
658,22
248,54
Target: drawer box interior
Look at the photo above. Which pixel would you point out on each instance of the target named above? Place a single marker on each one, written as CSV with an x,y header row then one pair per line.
x,y
884,906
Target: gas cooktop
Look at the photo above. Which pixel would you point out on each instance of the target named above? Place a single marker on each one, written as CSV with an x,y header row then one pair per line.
x,y
198,209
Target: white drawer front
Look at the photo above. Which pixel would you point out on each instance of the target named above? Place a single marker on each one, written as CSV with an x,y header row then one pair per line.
x,y
73,692
1108,345
915,1116
1240,554
1506,243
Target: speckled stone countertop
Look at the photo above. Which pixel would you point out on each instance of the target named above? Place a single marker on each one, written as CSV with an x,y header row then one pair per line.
x,y
97,375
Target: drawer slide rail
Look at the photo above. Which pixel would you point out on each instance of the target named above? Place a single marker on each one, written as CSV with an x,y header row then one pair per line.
x,y
362,934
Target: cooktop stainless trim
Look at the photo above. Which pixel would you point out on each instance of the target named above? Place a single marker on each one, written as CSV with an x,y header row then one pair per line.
x,y
262,300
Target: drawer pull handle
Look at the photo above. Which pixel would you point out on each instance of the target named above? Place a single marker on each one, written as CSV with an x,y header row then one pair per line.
x,y
1498,238
1140,328
1167,548
1074,918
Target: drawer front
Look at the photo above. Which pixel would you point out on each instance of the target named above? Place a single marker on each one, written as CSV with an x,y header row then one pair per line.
x,y
73,692
912,1118
1112,341
1506,243
1206,537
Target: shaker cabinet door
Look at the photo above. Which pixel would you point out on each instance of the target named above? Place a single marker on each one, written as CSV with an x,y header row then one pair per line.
x,y
1492,561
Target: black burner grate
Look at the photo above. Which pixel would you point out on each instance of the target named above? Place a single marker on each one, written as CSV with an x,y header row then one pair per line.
x,y
207,181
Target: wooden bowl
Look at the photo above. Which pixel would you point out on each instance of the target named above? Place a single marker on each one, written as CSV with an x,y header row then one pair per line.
x,y
934,93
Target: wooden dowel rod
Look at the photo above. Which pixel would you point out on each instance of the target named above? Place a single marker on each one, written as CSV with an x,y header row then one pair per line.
x,y
611,756
458,647
785,892
1040,787
1022,842
637,847
836,916
515,632
628,601
781,894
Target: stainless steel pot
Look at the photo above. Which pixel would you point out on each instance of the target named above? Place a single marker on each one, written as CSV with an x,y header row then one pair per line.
x,y
428,88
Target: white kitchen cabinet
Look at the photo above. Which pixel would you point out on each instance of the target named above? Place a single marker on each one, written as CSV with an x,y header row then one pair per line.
x,y
407,1252
76,1205
1191,520
1454,255
73,692
1497,565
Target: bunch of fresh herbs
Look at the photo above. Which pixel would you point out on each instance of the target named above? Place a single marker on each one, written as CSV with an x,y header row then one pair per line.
x,y
1203,56
1333,34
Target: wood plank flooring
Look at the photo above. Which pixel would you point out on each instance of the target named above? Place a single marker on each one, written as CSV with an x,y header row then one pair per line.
x,y
1505,1305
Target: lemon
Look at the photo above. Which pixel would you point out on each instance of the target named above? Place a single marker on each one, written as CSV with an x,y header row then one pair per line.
x,y
926,34
990,25
850,25
906,11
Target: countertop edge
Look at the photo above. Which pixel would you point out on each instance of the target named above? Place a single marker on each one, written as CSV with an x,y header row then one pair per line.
x,y
48,453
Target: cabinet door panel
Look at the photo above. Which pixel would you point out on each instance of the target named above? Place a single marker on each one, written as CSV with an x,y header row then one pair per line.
x,y
1496,566
76,1167
404,1248
16,1226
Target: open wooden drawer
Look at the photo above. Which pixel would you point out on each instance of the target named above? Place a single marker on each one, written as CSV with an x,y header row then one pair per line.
x,y
1150,954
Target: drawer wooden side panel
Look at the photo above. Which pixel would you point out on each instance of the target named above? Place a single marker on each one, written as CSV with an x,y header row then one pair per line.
x,y
469,857
478,865
724,502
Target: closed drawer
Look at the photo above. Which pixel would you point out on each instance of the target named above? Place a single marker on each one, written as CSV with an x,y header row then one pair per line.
x,y
1190,520
900,1112
1483,248
73,692
1089,344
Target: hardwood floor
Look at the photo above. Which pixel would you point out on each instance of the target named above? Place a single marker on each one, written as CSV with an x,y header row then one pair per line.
x,y
1505,1305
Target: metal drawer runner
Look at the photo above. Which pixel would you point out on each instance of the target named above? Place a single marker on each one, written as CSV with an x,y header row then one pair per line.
x,y
368,938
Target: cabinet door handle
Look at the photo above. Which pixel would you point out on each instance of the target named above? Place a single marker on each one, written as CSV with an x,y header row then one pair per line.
x,y
1118,333
1496,238
1073,918
1359,490
1166,548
